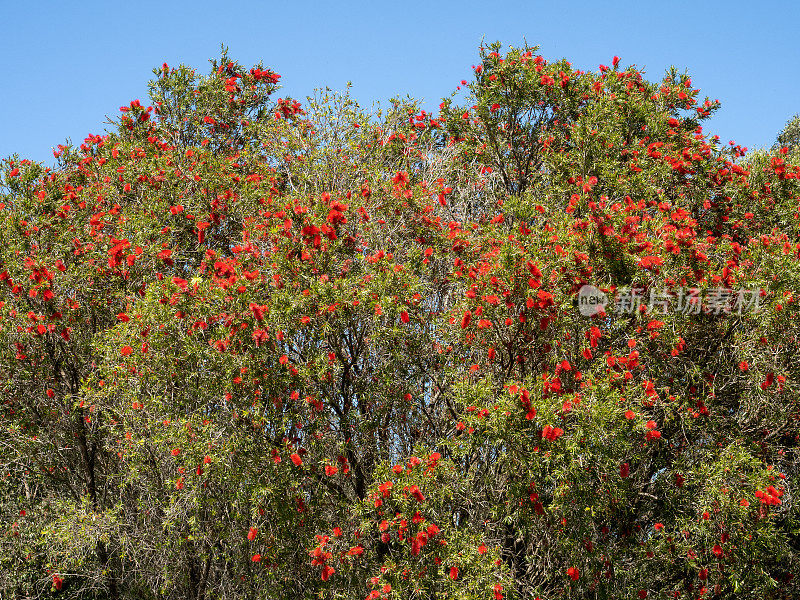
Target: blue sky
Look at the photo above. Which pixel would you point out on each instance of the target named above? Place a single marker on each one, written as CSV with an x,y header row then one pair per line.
x,y
69,64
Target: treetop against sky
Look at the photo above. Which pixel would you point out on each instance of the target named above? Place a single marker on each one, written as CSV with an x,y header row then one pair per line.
x,y
253,348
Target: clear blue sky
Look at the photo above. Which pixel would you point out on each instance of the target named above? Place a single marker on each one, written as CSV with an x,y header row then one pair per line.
x,y
69,64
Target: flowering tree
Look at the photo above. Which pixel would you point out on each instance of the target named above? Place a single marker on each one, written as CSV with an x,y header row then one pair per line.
x,y
253,348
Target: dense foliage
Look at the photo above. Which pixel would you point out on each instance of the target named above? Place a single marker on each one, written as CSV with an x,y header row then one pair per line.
x,y
256,349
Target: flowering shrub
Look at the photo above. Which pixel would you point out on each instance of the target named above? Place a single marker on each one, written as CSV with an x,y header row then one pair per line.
x,y
253,348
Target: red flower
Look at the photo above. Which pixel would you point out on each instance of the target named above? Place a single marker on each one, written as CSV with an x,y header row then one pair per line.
x,y
296,459
126,351
256,558
465,320
453,573
552,433
404,317
251,535
327,571
624,470
414,491
573,573
650,261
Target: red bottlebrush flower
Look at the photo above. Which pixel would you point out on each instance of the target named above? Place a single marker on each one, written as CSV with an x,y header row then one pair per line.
x,y
404,317
717,550
465,320
57,581
400,178
256,558
296,459
327,571
386,488
176,451
179,484
258,311
552,433
433,529
416,493
126,351
50,393
624,470
650,261
453,573
642,594
703,574
658,526
251,535
498,592
744,503
331,470
630,415
573,573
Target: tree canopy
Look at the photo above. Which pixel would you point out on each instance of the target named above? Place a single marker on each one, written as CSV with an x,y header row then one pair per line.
x,y
258,348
